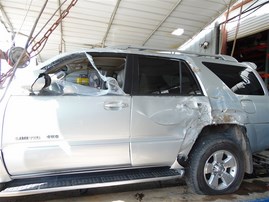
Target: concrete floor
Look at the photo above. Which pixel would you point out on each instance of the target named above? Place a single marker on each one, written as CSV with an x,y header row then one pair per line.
x,y
168,191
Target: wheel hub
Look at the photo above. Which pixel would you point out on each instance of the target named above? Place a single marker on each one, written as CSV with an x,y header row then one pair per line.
x,y
218,169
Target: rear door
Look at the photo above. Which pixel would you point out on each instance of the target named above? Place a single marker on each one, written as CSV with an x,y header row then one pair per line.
x,y
166,104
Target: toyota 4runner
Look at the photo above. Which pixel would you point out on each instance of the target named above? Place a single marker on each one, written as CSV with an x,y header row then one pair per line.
x,y
125,115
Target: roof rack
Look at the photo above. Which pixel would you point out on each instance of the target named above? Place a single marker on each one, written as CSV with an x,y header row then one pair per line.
x,y
174,51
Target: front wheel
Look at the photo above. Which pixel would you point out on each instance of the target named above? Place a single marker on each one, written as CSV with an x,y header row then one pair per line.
x,y
215,166
2,186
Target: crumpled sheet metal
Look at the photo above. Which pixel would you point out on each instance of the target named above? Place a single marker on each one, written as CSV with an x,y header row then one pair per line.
x,y
217,113
191,114
112,84
225,107
188,117
173,116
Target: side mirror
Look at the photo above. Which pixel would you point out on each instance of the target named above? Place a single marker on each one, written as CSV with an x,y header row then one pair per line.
x,y
42,81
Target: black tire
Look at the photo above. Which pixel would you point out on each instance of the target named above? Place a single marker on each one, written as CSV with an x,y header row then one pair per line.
x,y
2,186
215,166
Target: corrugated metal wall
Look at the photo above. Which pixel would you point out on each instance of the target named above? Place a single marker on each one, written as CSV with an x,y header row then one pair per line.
x,y
251,26
254,21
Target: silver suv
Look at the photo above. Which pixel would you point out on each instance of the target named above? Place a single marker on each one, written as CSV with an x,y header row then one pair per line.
x,y
128,115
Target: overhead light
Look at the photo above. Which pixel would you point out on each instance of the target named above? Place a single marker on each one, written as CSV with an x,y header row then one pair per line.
x,y
178,32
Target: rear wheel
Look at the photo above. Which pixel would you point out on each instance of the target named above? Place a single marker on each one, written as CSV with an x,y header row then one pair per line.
x,y
215,166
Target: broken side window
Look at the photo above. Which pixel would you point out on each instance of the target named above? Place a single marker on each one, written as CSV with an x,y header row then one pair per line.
x,y
163,76
98,75
240,80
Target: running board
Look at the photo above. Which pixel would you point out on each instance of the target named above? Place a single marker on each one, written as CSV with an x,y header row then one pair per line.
x,y
87,180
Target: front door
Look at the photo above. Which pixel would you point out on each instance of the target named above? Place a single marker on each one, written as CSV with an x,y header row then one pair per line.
x,y
76,130
44,134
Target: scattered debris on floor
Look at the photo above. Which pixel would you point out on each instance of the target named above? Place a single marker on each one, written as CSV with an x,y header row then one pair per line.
x,y
139,196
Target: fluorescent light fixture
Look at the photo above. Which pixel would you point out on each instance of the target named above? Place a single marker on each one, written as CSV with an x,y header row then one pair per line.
x,y
178,32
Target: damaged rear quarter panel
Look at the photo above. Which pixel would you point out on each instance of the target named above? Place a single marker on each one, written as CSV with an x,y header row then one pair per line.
x,y
223,107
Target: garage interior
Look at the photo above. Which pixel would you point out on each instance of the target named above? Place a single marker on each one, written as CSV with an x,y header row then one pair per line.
x,y
239,28
253,48
154,24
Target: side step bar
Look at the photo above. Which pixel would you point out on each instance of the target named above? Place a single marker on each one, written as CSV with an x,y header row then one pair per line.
x,y
87,180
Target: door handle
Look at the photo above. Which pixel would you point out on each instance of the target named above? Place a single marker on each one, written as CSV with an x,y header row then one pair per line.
x,y
115,106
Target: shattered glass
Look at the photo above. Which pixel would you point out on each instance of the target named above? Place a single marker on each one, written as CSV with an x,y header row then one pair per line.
x,y
61,86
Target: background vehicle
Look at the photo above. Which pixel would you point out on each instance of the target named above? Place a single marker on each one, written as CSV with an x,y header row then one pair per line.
x,y
120,115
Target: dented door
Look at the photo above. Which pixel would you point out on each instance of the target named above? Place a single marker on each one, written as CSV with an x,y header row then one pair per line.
x,y
166,106
160,125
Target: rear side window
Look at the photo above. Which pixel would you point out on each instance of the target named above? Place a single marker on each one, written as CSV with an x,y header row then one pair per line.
x,y
240,80
161,76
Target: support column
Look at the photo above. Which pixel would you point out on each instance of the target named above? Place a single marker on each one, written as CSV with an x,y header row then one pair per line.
x,y
267,59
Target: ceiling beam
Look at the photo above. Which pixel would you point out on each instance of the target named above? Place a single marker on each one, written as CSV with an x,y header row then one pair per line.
x,y
62,42
110,22
6,21
163,20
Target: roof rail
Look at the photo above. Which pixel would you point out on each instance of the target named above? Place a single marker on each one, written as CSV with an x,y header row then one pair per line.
x,y
174,51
